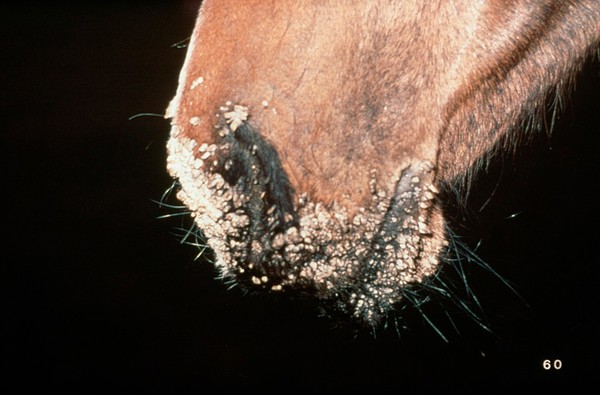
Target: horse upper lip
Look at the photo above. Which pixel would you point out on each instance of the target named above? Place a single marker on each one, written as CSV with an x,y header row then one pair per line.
x,y
362,261
264,237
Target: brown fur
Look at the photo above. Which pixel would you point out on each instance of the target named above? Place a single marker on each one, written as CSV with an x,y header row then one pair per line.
x,y
384,82
343,90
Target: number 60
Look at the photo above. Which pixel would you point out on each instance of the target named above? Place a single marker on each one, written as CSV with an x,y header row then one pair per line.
x,y
548,364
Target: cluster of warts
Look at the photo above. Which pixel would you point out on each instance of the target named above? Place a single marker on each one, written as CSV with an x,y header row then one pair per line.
x,y
360,263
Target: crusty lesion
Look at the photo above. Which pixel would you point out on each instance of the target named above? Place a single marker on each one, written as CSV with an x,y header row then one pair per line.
x,y
277,241
237,116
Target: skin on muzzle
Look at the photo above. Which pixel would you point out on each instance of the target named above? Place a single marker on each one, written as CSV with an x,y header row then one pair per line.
x,y
310,140
360,261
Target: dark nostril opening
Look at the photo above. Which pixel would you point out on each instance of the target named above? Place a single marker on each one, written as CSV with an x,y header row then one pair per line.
x,y
248,156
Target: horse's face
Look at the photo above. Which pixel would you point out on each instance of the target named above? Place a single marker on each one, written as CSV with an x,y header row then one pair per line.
x,y
310,139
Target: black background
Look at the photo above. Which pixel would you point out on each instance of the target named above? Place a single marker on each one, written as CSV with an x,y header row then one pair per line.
x,y
98,295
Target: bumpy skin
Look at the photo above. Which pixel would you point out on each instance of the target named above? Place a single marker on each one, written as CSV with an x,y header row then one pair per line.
x,y
310,137
265,238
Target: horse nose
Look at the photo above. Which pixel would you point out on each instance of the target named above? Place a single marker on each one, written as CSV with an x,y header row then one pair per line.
x,y
265,236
